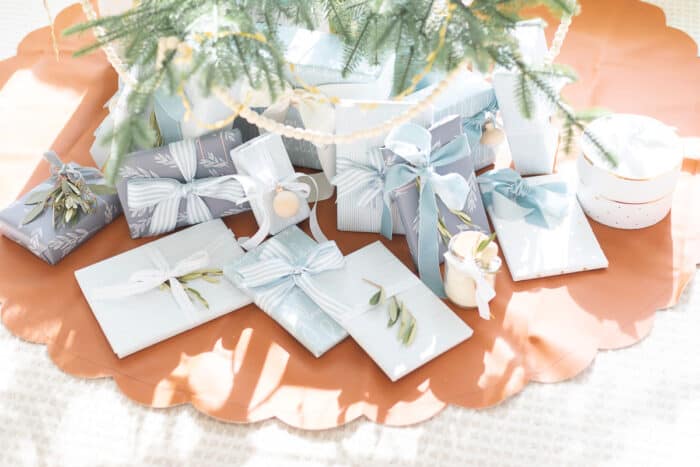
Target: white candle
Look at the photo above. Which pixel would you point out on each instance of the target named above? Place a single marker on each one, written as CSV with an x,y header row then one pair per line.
x,y
459,284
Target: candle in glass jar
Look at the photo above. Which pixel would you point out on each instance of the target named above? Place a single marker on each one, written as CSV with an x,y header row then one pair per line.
x,y
463,262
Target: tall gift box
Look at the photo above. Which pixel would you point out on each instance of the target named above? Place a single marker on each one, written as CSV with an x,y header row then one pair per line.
x,y
533,142
361,167
432,180
283,298
472,98
183,183
40,220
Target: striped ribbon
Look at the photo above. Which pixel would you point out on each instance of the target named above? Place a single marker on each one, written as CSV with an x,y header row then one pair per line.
x,y
166,194
276,274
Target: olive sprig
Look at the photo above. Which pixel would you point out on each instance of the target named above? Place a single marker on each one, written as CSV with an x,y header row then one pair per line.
x,y
397,313
67,199
209,275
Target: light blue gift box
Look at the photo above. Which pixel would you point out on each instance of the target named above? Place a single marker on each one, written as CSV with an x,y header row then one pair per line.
x,y
297,313
474,100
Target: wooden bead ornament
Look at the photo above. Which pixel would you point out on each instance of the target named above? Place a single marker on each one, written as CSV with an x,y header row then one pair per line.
x,y
285,203
491,136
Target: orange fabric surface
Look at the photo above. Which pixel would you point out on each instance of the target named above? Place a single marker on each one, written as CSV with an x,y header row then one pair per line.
x,y
243,367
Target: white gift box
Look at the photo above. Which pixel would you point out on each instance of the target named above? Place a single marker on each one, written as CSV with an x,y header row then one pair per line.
x,y
533,251
264,159
533,142
438,329
638,192
356,115
134,322
318,59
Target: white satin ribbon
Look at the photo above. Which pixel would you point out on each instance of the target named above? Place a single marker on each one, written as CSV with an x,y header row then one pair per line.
x,y
257,188
149,279
484,293
167,193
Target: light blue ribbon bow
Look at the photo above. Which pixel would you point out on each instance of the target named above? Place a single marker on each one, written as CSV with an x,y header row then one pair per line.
x,y
413,144
513,197
366,180
73,171
276,274
473,126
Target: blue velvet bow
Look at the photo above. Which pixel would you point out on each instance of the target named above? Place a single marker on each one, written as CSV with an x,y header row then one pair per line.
x,y
473,126
513,197
413,144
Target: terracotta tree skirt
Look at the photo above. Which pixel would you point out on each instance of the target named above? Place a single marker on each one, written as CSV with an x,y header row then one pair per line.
x,y
243,367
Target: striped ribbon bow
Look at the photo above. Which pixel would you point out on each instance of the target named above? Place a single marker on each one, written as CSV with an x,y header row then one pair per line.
x,y
276,274
149,279
367,181
166,194
413,144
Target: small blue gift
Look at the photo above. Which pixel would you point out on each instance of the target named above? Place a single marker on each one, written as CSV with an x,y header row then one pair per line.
x,y
280,275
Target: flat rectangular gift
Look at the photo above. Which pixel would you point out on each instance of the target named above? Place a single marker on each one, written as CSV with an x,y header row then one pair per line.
x,y
137,299
472,98
37,220
472,216
540,226
183,183
360,165
295,312
398,341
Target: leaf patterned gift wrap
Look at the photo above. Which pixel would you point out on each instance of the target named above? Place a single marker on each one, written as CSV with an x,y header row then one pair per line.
x,y
183,183
61,213
158,290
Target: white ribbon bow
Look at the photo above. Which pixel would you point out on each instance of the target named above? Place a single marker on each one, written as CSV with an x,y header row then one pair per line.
x,y
276,274
149,279
484,293
167,193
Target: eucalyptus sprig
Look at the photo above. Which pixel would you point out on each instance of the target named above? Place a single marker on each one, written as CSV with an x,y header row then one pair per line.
x,y
397,311
210,275
68,200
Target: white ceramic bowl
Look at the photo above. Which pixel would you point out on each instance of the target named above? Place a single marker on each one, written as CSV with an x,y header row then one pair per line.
x,y
650,155
623,215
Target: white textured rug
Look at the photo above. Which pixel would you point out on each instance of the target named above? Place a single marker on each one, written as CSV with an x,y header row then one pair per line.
x,y
636,407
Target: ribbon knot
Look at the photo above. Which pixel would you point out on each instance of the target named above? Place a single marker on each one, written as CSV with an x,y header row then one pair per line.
x,y
512,197
413,144
166,194
70,170
149,279
276,274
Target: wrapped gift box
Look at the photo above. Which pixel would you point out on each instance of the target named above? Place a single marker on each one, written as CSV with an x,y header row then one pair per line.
x,y
317,59
152,184
407,197
533,142
537,246
297,313
474,100
135,319
437,328
40,236
355,212
264,160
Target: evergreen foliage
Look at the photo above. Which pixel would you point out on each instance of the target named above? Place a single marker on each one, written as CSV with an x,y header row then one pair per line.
x,y
225,41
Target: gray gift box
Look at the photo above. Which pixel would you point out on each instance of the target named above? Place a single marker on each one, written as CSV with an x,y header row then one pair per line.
x,y
213,160
53,244
407,197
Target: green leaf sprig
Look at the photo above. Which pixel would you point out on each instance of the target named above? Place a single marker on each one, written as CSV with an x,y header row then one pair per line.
x,y
67,199
397,313
210,275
